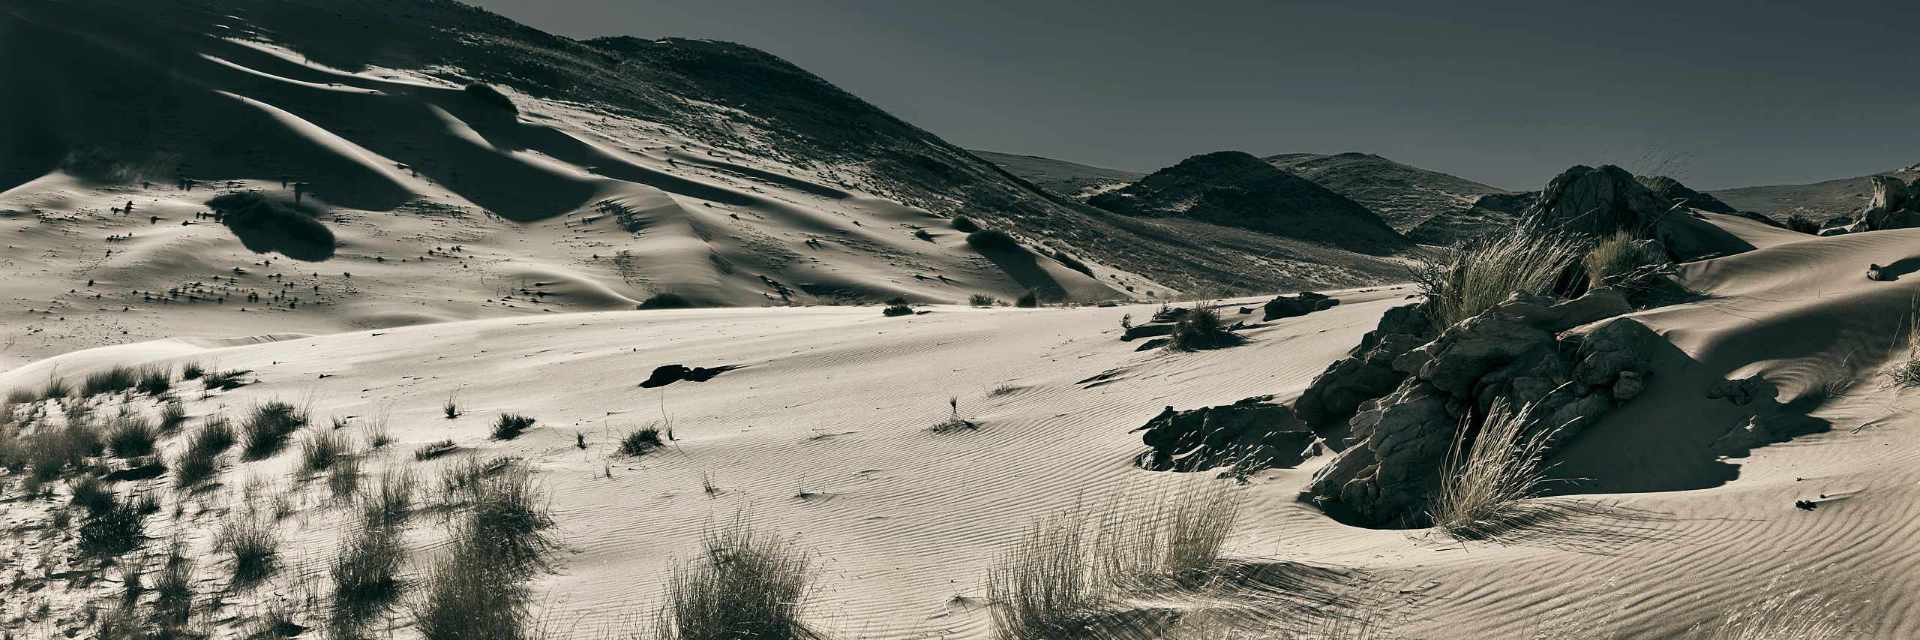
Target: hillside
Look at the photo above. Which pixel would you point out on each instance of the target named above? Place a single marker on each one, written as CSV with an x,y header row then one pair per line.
x,y
1819,201
1403,195
1236,189
1074,180
459,165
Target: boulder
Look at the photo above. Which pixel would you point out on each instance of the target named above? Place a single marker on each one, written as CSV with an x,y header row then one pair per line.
x,y
1299,304
1670,191
1893,205
1602,201
1367,372
1252,433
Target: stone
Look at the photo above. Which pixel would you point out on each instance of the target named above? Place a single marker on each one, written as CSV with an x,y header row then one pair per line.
x,y
1367,372
1253,433
1299,304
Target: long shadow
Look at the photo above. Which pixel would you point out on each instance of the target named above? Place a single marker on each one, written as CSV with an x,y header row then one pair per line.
x,y
1024,268
1899,268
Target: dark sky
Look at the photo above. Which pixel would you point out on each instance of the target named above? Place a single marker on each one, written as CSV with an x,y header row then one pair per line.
x,y
1716,93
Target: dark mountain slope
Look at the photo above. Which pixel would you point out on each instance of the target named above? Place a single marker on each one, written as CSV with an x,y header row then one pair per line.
x,y
1236,189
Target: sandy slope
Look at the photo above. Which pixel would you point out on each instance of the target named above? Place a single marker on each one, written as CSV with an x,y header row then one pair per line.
x,y
823,435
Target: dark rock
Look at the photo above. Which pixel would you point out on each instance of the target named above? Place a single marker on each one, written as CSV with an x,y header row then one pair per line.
x,y
1147,330
1670,191
1299,304
1251,434
1742,391
1236,189
1367,372
664,375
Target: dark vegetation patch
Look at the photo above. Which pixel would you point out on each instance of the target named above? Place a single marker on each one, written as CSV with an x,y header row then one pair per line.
x,y
666,301
265,430
640,442
509,426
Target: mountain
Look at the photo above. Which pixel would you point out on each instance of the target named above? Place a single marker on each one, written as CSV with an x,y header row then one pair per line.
x,y
1235,189
1074,180
1819,201
459,165
1403,195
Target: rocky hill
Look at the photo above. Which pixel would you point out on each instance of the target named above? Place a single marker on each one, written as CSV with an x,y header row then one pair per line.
x,y
1403,195
1233,188
1818,201
1070,179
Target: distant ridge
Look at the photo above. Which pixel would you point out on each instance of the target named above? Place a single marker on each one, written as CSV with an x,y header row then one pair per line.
x,y
1237,189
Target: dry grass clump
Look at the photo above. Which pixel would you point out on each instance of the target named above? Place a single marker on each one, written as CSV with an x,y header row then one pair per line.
x,y
155,380
640,441
172,415
981,300
321,449
192,371
1488,481
366,573
49,452
115,531
1528,259
87,492
433,450
252,543
1612,257
265,429
56,388
747,584
225,380
392,501
112,379
1028,300
1788,614
896,310
343,478
131,436
1066,572
173,591
1906,374
202,458
478,589
1201,328
510,425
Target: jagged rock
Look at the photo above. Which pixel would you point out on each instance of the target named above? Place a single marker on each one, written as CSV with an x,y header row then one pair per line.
x,y
1892,206
1471,349
1254,433
1387,479
1367,372
1299,304
1670,191
1602,201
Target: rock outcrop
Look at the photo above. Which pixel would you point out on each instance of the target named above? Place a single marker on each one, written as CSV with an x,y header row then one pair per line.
x,y
1254,433
1606,200
1298,304
1670,191
1515,353
1236,189
1366,373
1893,205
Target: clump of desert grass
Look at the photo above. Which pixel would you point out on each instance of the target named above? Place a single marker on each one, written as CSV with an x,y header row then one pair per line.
x,y
953,422
981,300
1530,259
173,590
433,450
746,584
1786,614
343,478
1491,477
1201,328
50,452
201,460
1906,373
265,429
640,442
390,502
225,380
1613,258
172,415
321,449
1068,571
131,436
115,531
366,572
155,380
57,387
896,310
89,493
112,379
510,425
478,589
192,371
248,538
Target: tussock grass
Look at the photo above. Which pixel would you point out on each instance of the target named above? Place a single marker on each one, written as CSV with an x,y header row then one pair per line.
x,y
896,310
746,584
510,425
1785,614
173,591
112,379
172,415
1611,258
22,395
155,380
478,589
49,452
321,449
391,503
1201,328
366,572
56,388
252,544
131,436
1068,570
509,514
265,429
640,442
1528,259
113,532
192,371
433,450
343,478
201,460
225,380
982,300
1906,373
1491,476
89,493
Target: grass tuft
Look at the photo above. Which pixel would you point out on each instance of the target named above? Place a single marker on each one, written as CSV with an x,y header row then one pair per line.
x,y
112,379
640,442
433,450
982,300
510,425
266,427
321,449
131,436
1485,490
1528,259
1611,258
1787,614
1201,328
747,584
250,540
155,380
192,371
113,532
225,380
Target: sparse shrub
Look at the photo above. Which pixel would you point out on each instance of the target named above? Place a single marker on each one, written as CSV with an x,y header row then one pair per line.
x,y
666,301
265,430
1201,328
225,380
113,532
378,437
1612,257
56,388
981,300
173,601
321,449
1483,273
986,240
194,466
51,451
1028,300
1803,224
90,494
172,415
923,235
1491,475
215,436
897,310
640,442
433,450
392,502
366,573
747,584
343,479
965,224
251,542
478,589
112,379
510,425
155,380
192,371
451,407
131,436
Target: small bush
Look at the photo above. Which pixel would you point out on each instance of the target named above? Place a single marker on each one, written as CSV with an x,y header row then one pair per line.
x,y
1487,482
155,381
1612,257
192,371
1484,273
225,380
1803,224
90,494
965,224
666,301
172,416
392,502
510,425
56,388
993,240
321,449
366,573
1028,300
114,532
252,543
131,436
433,450
1201,328
640,442
981,300
897,310
113,379
265,429
747,584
